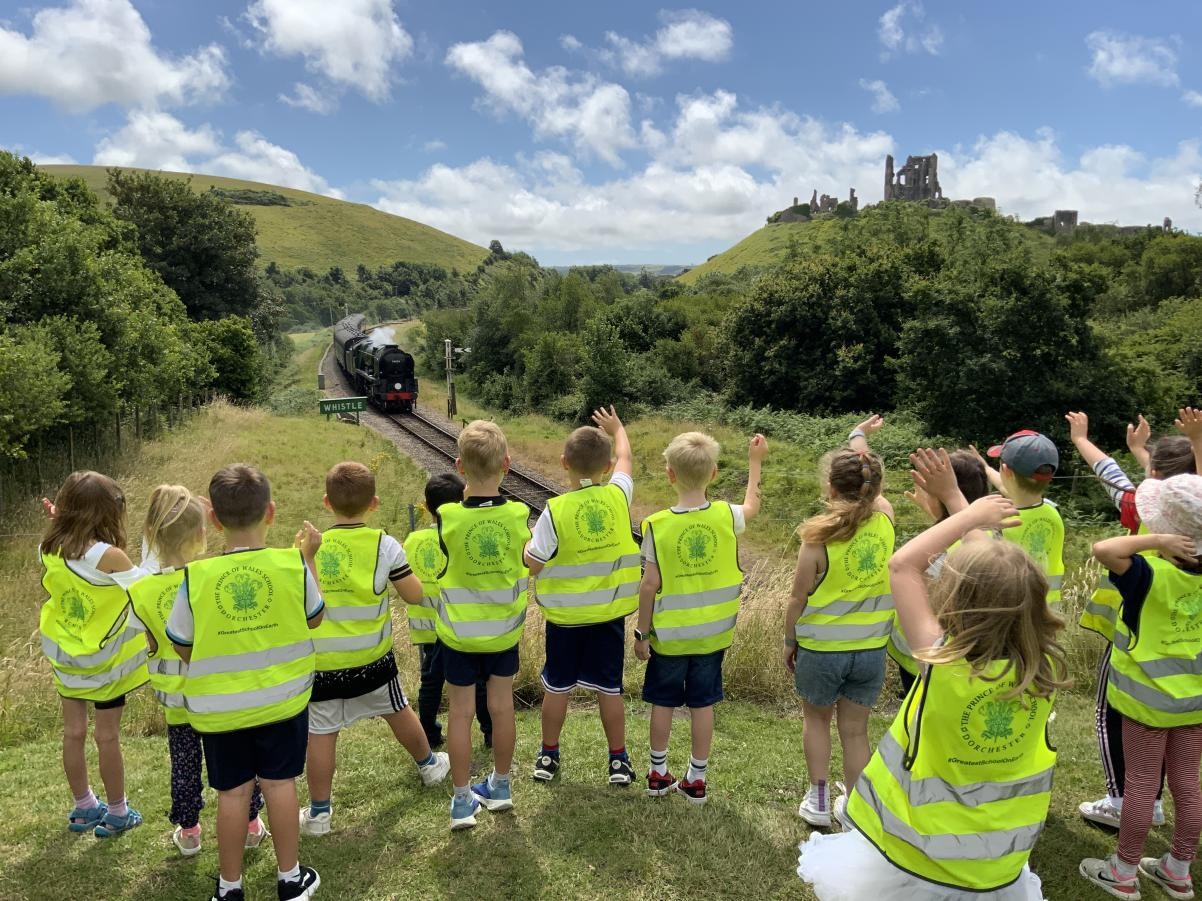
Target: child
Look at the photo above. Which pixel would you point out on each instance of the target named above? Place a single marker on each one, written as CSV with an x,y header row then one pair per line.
x,y
1029,460
1155,684
954,798
174,535
482,608
840,615
356,668
95,654
587,564
688,603
242,622
426,558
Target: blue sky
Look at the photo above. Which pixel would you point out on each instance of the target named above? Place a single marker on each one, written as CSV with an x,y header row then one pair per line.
x,y
621,132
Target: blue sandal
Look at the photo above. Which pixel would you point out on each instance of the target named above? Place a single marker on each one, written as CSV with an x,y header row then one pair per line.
x,y
112,825
85,820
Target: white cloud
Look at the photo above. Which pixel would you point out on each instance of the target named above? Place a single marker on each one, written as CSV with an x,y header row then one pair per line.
x,y
306,96
53,159
1192,98
351,42
158,140
883,100
434,146
570,42
93,52
593,114
685,34
1131,59
899,30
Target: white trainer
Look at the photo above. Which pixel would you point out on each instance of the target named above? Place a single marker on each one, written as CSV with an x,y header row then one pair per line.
x,y
314,825
435,772
1102,812
815,808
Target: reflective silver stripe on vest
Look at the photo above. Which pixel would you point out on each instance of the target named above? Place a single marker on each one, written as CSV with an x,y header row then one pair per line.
x,y
108,677
356,613
949,846
170,699
874,604
352,642
706,598
483,628
104,655
585,570
159,667
425,625
839,632
1161,666
702,630
1055,583
477,596
933,790
1150,697
1104,581
588,598
246,700
250,660
1103,610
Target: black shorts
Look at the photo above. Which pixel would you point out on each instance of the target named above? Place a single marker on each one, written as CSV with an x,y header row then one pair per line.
x,y
692,680
587,656
273,751
111,704
463,668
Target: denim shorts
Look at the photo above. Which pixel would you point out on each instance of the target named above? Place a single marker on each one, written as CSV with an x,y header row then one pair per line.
x,y
691,680
822,677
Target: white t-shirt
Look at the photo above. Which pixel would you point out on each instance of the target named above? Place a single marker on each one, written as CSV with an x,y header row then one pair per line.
x,y
86,568
544,542
736,515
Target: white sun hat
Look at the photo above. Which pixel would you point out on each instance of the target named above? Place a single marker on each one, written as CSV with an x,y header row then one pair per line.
x,y
1172,506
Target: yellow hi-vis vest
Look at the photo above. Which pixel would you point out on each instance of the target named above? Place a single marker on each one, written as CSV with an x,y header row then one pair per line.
x,y
594,576
697,553
94,653
426,559
357,627
1102,609
899,649
482,591
1156,676
958,789
152,597
1041,535
252,652
852,609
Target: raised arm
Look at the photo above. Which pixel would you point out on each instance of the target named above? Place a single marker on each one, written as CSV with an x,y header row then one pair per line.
x,y
1078,431
858,439
608,422
755,458
308,539
1189,423
1115,553
995,477
933,474
1137,442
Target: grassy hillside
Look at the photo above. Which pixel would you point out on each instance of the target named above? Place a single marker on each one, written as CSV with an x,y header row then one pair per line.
x,y
320,232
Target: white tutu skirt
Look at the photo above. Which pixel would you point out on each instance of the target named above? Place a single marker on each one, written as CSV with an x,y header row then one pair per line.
x,y
846,867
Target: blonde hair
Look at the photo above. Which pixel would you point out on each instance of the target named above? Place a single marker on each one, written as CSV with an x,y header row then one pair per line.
x,y
89,507
692,456
856,480
175,523
991,602
588,451
482,449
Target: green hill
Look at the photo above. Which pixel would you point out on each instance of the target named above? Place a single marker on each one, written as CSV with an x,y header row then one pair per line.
x,y
297,228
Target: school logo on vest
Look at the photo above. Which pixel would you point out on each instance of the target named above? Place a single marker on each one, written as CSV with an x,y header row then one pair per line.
x,y
165,601
244,594
865,557
594,522
334,562
487,543
991,724
697,546
425,560
1186,613
77,611
1037,541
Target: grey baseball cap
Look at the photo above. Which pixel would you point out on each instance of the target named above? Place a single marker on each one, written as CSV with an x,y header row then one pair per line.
x,y
1028,453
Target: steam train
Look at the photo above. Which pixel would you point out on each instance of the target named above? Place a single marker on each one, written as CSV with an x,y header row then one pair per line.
x,y
376,367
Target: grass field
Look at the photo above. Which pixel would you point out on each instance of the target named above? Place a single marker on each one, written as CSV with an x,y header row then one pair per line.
x,y
320,232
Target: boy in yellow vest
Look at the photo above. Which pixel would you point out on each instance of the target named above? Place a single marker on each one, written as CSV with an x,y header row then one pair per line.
x,y
482,608
688,602
356,668
242,622
587,565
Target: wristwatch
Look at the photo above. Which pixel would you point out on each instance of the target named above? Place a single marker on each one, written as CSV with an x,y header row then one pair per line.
x,y
641,636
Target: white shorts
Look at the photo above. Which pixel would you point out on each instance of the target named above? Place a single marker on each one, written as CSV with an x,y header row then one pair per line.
x,y
328,717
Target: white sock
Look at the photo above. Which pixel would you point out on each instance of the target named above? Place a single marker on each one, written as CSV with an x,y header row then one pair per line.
x,y
291,876
1117,803
1158,805
88,801
225,885
659,762
1124,870
497,778
1177,868
696,771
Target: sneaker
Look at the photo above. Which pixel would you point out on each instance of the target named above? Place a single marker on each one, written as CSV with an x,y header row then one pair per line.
x,y
620,771
234,894
1155,869
113,825
658,786
255,833
495,798
1158,814
434,773
1102,874
839,811
545,767
1101,812
694,791
305,887
315,824
463,813
815,808
81,820
187,842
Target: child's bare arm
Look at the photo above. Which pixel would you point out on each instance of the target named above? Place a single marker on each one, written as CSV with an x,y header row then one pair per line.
x,y
805,576
647,588
114,560
858,439
1189,423
995,477
933,474
1115,553
409,588
308,539
184,651
755,457
532,563
608,422
1078,431
1137,442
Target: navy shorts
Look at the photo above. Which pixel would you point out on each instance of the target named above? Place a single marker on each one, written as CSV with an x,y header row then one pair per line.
x,y
463,668
822,677
589,656
273,751
691,680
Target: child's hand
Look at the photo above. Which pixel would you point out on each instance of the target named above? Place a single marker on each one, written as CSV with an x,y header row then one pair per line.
x,y
642,650
1138,435
789,656
308,539
1078,426
933,472
607,420
994,511
1189,423
870,425
923,501
1178,548
48,508
976,453
758,449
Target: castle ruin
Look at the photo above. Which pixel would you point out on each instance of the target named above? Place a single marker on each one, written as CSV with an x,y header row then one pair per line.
x,y
917,180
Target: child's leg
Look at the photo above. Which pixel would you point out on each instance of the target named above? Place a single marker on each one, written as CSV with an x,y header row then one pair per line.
x,y
459,732
504,725
701,728
1108,725
407,729
231,829
319,764
429,692
1183,754
853,737
1144,749
183,745
108,746
554,712
816,738
661,728
284,812
75,733
613,719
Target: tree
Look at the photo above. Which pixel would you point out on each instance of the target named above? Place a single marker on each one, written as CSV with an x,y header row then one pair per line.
x,y
235,357
31,390
603,367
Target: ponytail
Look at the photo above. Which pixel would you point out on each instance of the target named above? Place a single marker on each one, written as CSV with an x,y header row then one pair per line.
x,y
856,479
174,521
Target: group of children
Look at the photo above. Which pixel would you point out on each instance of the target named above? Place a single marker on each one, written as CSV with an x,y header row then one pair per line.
x,y
261,656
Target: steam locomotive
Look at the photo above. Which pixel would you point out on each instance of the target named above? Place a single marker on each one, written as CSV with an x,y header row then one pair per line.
x,y
375,366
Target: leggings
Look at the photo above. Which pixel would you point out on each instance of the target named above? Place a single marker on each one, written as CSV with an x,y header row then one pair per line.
x,y
429,696
1108,724
183,744
1178,752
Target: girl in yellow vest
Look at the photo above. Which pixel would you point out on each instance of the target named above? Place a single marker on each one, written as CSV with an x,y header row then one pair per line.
x,y
172,537
95,655
840,616
955,796
1155,683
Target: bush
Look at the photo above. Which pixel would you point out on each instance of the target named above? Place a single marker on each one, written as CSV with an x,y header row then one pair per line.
x,y
294,401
